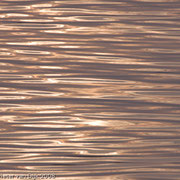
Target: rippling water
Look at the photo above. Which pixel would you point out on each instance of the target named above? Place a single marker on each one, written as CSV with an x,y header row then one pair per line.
x,y
90,89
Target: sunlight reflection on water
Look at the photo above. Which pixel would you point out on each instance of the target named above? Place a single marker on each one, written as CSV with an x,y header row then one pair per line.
x,y
90,90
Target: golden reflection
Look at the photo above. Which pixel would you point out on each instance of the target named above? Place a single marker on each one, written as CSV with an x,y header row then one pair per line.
x,y
42,5
89,88
36,20
32,52
31,43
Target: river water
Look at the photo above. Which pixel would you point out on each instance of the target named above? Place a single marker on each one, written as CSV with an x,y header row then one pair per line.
x,y
90,89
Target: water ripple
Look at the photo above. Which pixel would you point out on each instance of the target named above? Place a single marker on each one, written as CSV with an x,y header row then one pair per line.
x,y
90,90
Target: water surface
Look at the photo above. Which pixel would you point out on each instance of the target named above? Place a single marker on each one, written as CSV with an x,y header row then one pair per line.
x,y
90,89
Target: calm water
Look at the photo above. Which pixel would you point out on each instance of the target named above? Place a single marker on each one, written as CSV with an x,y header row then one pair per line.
x,y
90,89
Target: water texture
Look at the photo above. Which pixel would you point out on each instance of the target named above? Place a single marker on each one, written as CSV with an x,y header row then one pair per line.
x,y
90,89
